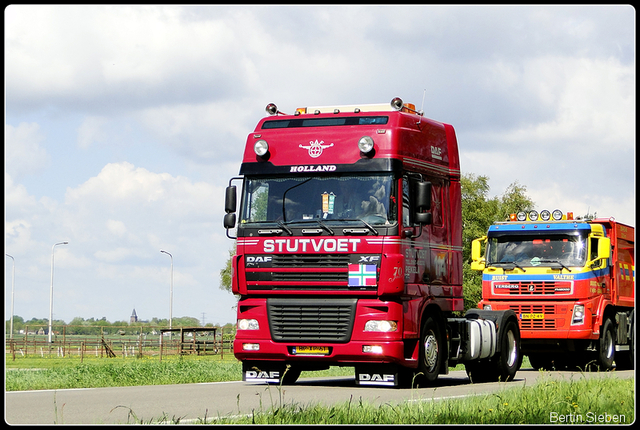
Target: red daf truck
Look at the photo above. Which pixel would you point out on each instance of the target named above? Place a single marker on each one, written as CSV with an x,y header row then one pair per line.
x,y
349,251
571,283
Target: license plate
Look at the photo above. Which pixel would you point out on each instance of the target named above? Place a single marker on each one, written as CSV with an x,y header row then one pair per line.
x,y
311,350
532,316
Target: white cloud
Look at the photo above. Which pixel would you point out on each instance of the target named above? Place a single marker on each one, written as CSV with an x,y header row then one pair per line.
x,y
91,131
23,152
141,113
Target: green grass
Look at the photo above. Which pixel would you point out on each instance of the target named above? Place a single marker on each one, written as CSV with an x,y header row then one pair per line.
x,y
584,401
43,373
548,401
54,373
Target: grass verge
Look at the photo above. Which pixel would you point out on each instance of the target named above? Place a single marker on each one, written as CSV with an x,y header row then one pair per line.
x,y
605,400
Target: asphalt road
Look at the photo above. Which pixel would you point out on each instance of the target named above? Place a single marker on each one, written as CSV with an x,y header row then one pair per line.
x,y
193,403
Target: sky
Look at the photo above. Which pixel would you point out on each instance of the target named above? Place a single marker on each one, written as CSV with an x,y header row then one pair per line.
x,y
124,124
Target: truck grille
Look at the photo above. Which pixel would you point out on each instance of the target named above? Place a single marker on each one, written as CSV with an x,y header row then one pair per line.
x,y
311,320
548,322
533,288
295,272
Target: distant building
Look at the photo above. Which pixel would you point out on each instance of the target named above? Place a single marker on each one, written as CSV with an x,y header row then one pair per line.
x,y
134,317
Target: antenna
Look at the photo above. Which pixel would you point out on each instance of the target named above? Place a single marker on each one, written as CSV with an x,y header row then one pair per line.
x,y
421,113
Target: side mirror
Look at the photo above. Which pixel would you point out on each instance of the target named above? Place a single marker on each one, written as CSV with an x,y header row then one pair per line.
x,y
229,220
477,261
604,247
604,251
230,200
422,201
423,195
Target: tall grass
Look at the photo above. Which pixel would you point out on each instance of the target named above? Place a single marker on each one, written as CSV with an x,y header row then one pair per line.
x,y
606,400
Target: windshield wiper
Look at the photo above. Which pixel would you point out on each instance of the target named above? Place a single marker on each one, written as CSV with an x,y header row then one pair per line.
x,y
507,262
555,262
369,226
323,225
284,227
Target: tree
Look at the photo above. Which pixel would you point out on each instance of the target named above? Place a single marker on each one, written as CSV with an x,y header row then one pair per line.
x,y
227,272
478,213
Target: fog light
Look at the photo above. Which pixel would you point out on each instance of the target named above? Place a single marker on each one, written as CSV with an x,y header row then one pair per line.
x,y
248,324
487,307
381,326
372,349
578,315
251,347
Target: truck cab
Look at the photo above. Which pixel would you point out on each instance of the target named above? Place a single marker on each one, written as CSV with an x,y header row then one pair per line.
x,y
349,247
570,281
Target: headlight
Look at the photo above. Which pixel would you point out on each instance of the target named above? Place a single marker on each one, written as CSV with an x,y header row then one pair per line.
x,y
578,315
365,144
381,326
246,324
486,307
261,147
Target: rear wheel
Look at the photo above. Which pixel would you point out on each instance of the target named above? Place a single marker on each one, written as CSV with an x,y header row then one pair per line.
x,y
504,365
509,359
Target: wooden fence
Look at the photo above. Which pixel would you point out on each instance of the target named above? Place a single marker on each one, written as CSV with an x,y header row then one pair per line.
x,y
184,341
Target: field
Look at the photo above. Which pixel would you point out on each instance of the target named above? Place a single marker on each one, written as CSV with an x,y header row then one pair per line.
x,y
607,399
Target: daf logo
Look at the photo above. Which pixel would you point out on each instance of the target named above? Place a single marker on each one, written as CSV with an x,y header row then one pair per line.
x,y
532,288
315,148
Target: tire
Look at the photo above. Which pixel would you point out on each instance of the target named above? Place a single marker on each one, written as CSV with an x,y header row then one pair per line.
x,y
606,346
504,365
432,350
291,375
625,360
541,361
509,359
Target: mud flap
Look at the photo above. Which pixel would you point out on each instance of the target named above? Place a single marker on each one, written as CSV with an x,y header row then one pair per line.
x,y
262,372
378,375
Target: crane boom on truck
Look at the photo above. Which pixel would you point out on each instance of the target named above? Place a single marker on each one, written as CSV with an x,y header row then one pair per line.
x,y
349,251
570,281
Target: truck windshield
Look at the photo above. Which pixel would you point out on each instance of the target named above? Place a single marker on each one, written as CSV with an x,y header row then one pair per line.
x,y
298,199
561,250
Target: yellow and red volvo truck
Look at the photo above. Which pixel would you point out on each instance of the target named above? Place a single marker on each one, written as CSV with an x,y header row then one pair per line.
x,y
570,281
349,251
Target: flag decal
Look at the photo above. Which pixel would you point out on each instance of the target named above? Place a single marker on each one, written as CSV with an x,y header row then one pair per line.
x,y
362,275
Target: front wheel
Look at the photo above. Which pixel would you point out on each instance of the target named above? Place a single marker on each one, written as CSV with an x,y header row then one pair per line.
x,y
606,346
291,375
431,350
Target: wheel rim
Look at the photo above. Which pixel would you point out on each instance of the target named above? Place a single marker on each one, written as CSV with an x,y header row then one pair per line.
x,y
608,345
431,351
511,349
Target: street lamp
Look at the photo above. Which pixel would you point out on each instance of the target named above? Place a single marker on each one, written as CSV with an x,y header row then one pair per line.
x,y
13,284
51,291
170,292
